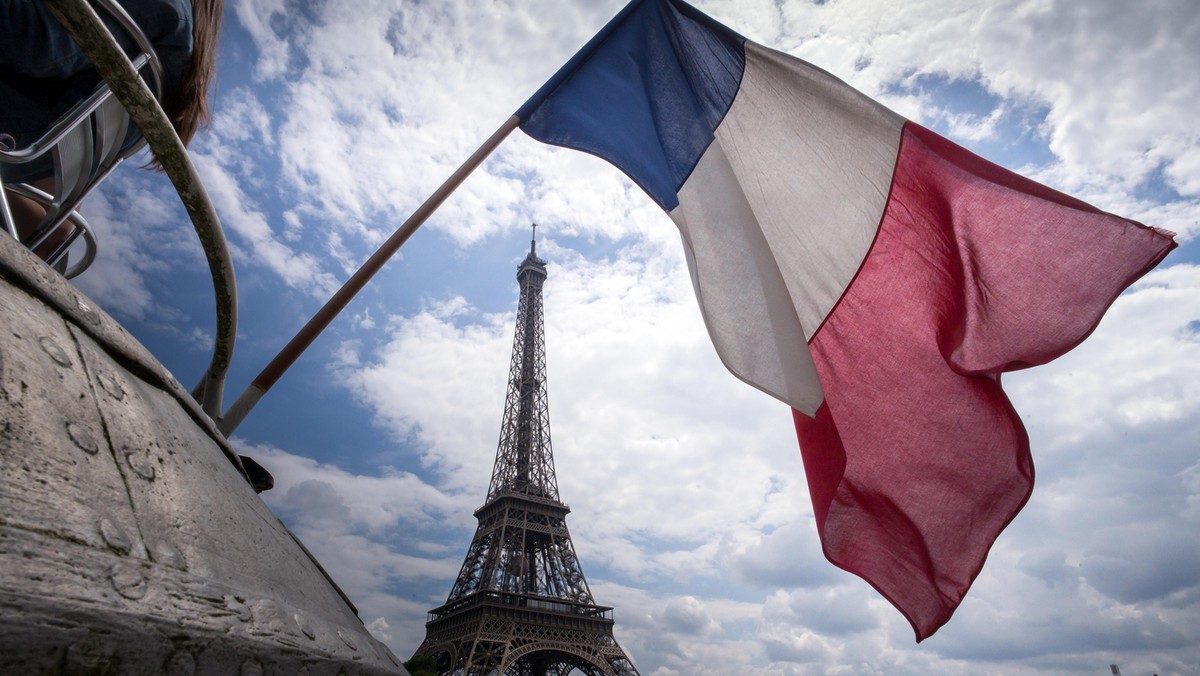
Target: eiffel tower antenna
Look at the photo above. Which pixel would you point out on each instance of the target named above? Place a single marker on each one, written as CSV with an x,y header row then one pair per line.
x,y
520,605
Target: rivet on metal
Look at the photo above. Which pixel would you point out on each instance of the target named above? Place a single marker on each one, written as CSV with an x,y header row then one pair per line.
x,y
168,555
347,640
91,655
114,537
83,438
241,610
267,615
88,313
252,667
305,626
181,663
47,276
141,463
112,386
56,353
128,580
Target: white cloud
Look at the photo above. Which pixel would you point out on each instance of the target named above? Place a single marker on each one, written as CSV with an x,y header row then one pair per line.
x,y
441,385
298,270
371,533
372,504
678,475
133,254
1110,75
256,17
689,504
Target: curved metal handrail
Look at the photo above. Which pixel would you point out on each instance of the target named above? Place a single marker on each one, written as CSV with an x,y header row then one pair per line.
x,y
80,229
144,109
97,150
94,38
134,31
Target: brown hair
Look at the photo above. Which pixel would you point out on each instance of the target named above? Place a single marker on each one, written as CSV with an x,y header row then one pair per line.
x,y
188,107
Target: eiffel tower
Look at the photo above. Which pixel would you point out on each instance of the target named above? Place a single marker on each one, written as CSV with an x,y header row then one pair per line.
x,y
520,605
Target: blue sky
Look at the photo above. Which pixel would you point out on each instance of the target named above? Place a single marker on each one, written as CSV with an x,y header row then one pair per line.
x,y
689,507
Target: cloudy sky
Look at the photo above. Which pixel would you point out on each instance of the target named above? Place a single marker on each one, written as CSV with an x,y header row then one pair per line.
x,y
690,510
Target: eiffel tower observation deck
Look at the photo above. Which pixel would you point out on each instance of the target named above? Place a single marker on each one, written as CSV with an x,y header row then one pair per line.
x,y
520,604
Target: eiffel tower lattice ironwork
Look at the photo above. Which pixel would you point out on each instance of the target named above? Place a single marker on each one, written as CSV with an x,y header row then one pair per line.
x,y
520,605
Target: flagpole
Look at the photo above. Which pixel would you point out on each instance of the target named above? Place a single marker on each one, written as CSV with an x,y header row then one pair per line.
x,y
300,342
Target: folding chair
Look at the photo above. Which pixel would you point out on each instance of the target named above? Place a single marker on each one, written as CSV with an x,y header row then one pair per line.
x,y
84,145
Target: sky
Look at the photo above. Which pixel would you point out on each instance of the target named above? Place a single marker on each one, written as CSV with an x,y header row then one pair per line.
x,y
690,511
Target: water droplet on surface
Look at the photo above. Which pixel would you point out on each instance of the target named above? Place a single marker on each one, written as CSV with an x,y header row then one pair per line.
x,y
181,663
128,580
56,353
83,438
305,626
114,536
169,555
112,386
241,610
141,464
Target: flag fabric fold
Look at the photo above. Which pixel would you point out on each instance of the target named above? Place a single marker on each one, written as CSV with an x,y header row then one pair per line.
x,y
871,274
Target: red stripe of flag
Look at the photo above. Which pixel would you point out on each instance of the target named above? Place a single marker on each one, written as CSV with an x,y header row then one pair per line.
x,y
917,461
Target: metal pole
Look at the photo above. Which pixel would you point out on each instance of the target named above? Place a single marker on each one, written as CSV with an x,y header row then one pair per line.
x,y
263,382
82,22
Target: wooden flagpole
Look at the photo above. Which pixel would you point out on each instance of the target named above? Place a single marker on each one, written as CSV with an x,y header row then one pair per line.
x,y
300,342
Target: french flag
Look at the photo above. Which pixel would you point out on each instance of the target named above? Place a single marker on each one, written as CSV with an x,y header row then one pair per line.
x,y
869,273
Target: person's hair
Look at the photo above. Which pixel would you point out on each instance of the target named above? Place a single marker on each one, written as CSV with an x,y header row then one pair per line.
x,y
188,108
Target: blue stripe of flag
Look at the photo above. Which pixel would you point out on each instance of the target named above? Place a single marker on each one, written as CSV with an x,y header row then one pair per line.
x,y
645,94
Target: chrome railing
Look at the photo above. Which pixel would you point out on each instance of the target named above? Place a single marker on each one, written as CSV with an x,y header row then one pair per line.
x,y
94,38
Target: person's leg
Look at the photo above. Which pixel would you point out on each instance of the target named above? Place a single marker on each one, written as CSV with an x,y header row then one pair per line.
x,y
28,215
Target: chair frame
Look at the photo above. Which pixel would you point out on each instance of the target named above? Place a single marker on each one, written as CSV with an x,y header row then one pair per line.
x,y
85,145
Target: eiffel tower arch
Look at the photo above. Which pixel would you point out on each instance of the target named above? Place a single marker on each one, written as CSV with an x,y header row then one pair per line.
x,y
521,605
